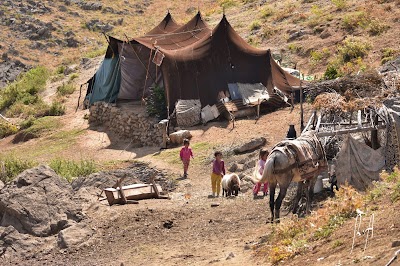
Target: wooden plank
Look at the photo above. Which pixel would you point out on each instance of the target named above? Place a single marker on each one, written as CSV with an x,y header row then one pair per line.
x,y
351,130
318,122
138,193
309,123
359,119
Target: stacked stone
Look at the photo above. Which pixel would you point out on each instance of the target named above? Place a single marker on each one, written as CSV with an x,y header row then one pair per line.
x,y
128,123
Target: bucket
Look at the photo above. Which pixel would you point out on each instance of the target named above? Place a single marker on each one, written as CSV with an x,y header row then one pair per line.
x,y
318,185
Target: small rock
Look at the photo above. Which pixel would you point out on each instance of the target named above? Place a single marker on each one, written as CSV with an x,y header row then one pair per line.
x,y
1,184
230,256
233,167
325,34
168,224
73,236
251,145
396,243
214,204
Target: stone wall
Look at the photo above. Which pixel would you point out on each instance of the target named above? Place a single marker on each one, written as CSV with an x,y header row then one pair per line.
x,y
128,120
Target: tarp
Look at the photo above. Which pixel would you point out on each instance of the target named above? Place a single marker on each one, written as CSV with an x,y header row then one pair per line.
x,y
107,81
357,164
253,93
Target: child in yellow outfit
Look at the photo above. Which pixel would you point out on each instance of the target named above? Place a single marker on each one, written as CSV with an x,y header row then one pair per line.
x,y
218,170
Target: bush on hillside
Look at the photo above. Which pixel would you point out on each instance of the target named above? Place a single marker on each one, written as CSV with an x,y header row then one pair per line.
x,y
157,103
70,169
7,129
56,109
65,89
352,48
35,128
10,167
25,88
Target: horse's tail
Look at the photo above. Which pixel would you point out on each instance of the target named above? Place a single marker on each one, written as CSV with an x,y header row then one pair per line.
x,y
268,170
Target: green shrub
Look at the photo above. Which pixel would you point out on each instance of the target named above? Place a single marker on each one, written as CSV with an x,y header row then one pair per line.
x,y
331,72
352,48
266,12
73,76
295,48
354,20
255,25
7,129
10,167
65,89
25,88
60,70
28,122
388,54
376,27
340,4
156,104
227,3
96,53
318,56
41,126
56,109
70,169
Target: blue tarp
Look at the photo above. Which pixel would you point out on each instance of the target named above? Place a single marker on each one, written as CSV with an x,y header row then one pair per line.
x,y
107,81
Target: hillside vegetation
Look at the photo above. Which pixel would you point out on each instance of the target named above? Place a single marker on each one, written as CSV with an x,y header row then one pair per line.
x,y
343,35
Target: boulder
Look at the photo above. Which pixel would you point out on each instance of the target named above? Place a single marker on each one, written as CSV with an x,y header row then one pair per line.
x,y
15,244
1,184
72,237
233,167
39,202
251,145
179,136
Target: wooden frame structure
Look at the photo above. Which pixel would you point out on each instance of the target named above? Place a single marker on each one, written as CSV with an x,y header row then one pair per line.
x,y
329,123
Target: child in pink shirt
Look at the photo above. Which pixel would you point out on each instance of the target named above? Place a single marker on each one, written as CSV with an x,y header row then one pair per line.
x,y
261,164
185,155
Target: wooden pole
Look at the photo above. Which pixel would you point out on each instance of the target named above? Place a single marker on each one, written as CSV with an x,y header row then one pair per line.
x,y
374,135
352,130
301,106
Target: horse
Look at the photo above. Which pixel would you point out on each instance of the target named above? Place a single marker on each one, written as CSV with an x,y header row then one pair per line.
x,y
301,161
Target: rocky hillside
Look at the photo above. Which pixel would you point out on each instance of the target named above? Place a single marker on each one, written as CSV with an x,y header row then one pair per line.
x,y
311,34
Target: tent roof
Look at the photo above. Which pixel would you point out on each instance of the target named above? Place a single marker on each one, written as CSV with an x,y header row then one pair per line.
x,y
167,25
181,37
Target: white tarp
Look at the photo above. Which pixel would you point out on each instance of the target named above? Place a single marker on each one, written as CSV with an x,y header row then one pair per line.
x,y
253,93
358,164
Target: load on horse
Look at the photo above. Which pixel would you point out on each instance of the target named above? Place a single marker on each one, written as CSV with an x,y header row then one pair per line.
x,y
300,160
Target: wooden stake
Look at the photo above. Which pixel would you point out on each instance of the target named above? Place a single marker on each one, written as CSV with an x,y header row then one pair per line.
x,y
301,106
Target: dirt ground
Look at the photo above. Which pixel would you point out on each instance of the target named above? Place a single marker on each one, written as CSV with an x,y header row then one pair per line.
x,y
187,230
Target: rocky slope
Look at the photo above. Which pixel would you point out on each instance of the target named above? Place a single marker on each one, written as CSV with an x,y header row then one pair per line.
x,y
305,33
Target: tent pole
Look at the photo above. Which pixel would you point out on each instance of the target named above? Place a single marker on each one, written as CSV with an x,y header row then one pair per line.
x,y
301,107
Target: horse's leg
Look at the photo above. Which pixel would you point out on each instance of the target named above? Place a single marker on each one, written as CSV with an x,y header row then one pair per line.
x,y
310,193
282,193
298,196
272,187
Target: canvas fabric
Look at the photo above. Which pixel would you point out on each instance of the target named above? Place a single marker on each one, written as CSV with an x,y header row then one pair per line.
x,y
106,82
357,164
195,62
253,93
